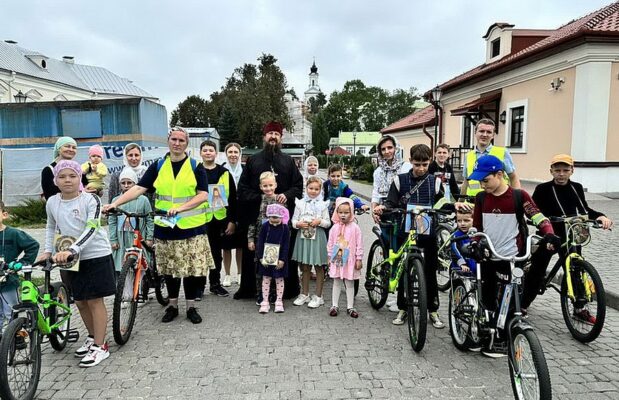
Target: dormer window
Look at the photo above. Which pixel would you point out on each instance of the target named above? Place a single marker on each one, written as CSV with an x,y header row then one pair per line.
x,y
496,48
39,59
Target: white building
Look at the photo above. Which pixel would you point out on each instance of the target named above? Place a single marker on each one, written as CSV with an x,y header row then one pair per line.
x,y
27,75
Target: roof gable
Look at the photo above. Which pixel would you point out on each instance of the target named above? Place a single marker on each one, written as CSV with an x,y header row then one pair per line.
x,y
415,120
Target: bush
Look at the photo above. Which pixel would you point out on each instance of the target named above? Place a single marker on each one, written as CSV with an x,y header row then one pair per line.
x,y
28,212
367,172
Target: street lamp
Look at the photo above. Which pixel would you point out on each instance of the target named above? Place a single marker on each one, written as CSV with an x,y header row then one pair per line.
x,y
437,93
354,147
20,97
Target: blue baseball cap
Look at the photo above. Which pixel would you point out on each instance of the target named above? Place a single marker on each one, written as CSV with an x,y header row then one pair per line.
x,y
485,166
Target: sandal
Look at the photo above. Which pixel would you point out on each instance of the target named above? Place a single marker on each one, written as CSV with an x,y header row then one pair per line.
x,y
353,313
333,311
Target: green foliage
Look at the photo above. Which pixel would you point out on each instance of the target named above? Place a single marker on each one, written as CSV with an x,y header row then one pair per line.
x,y
28,212
228,125
320,134
191,112
367,172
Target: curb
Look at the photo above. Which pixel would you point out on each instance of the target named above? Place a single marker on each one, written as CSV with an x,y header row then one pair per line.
x,y
612,298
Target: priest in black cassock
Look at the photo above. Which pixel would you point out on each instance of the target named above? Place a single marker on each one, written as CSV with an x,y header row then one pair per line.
x,y
289,186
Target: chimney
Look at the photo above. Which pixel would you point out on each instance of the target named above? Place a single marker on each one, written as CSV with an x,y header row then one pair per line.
x,y
68,59
9,41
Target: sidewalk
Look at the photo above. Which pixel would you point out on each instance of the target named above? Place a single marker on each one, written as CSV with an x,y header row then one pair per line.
x,y
599,252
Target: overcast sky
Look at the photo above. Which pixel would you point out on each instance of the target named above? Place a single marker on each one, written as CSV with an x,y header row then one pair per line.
x,y
173,49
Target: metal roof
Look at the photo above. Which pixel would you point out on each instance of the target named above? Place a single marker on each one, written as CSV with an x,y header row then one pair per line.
x,y
85,77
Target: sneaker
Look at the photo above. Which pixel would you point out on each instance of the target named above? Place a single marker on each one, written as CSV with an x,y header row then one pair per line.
x,y
353,313
95,355
301,299
333,311
279,306
389,303
259,299
227,281
399,320
265,307
170,313
316,302
193,316
436,321
237,280
394,307
498,350
585,316
85,348
219,291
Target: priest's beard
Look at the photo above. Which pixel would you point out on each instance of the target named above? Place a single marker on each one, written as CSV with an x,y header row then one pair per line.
x,y
270,150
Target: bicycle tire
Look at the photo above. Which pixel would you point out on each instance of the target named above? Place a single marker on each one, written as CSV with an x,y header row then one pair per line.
x,y
59,339
9,351
458,297
122,333
161,290
567,308
520,364
443,281
376,278
416,303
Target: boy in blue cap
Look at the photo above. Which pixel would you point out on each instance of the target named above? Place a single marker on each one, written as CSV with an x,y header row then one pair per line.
x,y
499,212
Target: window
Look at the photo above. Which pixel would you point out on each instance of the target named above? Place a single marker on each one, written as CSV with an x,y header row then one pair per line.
x,y
516,129
361,150
349,149
496,48
467,128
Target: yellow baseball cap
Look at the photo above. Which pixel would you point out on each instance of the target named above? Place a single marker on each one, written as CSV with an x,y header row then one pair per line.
x,y
562,158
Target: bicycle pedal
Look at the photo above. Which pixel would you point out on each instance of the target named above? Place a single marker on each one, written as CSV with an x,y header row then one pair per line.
x,y
73,336
467,308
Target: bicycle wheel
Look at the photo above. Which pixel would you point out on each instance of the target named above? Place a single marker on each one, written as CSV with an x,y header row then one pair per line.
x,y
584,317
462,310
161,292
416,303
377,276
527,366
125,303
443,232
59,338
20,360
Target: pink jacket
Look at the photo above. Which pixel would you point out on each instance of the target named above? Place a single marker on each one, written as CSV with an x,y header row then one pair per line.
x,y
345,245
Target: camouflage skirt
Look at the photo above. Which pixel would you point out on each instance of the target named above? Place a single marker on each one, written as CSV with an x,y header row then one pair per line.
x,y
185,257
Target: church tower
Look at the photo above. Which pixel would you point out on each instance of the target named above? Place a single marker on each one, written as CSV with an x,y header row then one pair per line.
x,y
313,87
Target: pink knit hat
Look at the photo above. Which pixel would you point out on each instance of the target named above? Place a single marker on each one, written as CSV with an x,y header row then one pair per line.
x,y
277,210
95,150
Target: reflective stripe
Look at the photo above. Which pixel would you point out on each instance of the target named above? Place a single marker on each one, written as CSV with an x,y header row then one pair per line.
x,y
175,200
194,212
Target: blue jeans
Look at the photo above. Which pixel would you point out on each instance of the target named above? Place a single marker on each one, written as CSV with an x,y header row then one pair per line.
x,y
8,298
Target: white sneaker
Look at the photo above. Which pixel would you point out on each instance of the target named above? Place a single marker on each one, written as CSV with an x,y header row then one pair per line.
x,y
85,348
399,320
95,356
236,279
391,302
316,302
394,307
436,321
227,281
301,299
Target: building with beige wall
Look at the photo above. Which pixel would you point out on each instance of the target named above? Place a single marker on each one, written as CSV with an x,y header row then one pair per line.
x,y
549,91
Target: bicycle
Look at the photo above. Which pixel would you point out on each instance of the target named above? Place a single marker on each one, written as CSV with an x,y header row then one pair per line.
x,y
581,291
384,274
137,275
470,323
41,312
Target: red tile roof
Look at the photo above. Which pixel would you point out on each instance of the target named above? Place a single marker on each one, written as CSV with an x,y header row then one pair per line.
x,y
418,119
475,104
603,22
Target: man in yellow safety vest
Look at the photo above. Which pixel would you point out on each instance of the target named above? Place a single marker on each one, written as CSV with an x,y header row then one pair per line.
x,y
485,131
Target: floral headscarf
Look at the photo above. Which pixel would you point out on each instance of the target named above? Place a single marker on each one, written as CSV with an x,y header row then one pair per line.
x,y
277,210
388,171
68,164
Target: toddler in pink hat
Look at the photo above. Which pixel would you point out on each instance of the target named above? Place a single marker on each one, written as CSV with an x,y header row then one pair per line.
x,y
95,170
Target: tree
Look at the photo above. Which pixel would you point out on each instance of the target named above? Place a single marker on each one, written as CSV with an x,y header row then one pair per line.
x,y
191,112
316,104
227,125
320,134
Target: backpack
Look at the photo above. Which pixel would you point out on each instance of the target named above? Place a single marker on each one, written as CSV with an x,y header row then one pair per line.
x,y
523,230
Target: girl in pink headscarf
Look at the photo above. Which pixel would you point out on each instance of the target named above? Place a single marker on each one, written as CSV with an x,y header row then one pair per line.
x,y
345,249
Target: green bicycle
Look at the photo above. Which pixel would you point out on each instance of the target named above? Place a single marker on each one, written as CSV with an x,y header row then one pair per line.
x,y
42,311
384,273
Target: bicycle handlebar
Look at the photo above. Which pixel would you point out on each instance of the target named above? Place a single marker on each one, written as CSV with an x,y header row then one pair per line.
x,y
402,211
118,211
473,234
593,222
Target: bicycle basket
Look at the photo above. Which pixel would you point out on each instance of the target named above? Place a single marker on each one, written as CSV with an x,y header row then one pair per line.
x,y
578,231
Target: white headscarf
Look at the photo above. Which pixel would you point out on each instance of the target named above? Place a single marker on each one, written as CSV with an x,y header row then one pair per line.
x,y
235,169
128,173
140,169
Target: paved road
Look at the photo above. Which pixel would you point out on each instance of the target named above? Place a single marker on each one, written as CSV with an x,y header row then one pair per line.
x,y
306,354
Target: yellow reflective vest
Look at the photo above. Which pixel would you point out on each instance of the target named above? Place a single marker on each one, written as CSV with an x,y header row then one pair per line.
x,y
471,158
172,192
221,213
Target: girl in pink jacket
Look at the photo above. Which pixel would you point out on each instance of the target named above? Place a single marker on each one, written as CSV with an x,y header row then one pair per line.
x,y
345,249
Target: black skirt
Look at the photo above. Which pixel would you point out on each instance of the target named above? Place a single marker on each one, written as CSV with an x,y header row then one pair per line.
x,y
95,279
238,240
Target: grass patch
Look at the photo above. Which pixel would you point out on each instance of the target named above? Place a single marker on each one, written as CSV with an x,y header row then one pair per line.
x,y
30,213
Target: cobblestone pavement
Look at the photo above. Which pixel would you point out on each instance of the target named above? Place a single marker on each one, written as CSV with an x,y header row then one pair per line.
x,y
306,354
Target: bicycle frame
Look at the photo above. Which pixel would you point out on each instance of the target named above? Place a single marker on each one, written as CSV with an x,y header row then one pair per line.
x,y
137,251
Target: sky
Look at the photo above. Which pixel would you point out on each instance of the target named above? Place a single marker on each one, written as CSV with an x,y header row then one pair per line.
x,y
174,49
